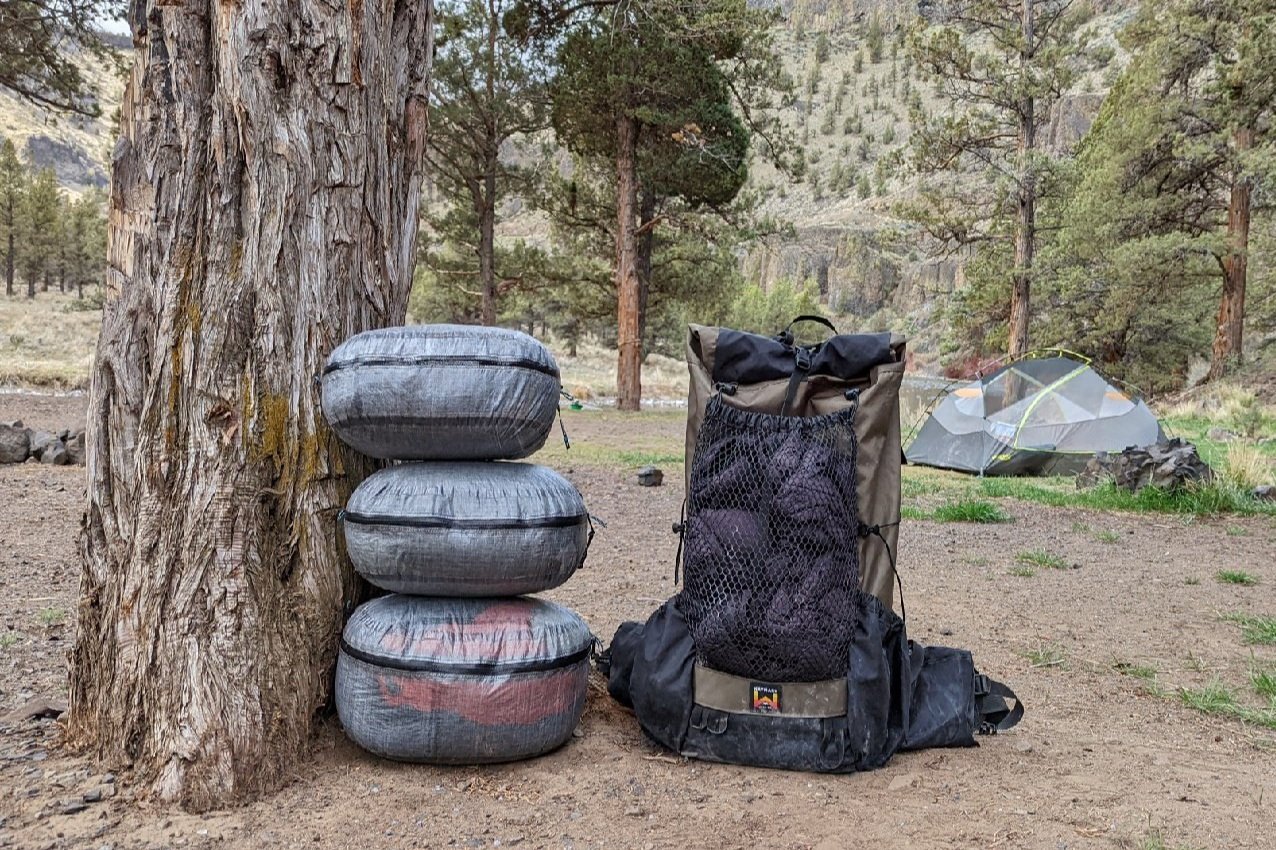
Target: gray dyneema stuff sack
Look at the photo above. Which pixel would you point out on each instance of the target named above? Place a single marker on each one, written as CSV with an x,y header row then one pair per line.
x,y
466,528
462,681
441,392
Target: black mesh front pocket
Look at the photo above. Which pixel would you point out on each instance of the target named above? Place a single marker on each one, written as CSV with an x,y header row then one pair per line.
x,y
772,544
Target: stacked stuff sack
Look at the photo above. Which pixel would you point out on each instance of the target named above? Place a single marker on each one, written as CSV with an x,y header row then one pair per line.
x,y
454,666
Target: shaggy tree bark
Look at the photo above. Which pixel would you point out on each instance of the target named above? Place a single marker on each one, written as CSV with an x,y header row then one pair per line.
x,y
1228,338
1026,217
263,208
628,341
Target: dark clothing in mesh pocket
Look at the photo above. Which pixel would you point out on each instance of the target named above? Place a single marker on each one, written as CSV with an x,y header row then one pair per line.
x,y
772,544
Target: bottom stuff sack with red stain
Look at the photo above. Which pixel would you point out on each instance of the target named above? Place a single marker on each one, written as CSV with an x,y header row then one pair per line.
x,y
462,681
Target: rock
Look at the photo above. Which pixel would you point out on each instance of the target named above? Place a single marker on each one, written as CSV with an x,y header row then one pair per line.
x,y
17,423
75,447
35,708
1098,470
650,476
1170,464
73,807
93,796
1221,435
40,440
15,443
1264,492
55,454
899,783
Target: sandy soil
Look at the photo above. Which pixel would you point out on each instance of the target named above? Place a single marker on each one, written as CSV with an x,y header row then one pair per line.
x,y
1102,760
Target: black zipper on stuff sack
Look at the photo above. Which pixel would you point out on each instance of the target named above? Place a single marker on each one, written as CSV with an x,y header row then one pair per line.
x,y
463,522
488,668
514,362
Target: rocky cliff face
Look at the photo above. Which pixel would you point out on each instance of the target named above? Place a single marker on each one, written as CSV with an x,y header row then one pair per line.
x,y
77,148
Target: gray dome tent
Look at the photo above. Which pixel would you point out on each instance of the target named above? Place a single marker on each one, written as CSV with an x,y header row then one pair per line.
x,y
1042,415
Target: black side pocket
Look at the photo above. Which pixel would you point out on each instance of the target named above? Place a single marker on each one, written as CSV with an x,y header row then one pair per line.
x,y
943,700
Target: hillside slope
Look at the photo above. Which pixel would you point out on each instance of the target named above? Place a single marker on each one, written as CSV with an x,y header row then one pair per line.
x,y
78,149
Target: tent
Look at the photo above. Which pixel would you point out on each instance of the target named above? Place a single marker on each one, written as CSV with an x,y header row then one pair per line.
x,y
1045,414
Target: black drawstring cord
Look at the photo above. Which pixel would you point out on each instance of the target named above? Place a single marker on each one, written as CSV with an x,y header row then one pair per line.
x,y
680,529
868,530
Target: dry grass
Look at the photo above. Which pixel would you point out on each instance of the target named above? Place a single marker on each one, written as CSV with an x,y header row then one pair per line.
x,y
1227,404
1246,466
44,343
591,373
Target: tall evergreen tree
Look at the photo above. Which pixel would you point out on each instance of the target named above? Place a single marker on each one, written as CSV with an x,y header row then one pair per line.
x,y
488,89
1002,65
630,70
13,182
1204,85
38,227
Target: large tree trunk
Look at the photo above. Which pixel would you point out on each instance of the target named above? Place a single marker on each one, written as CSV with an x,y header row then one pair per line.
x,y
1231,306
487,209
628,340
487,248
8,262
1026,218
263,208
646,248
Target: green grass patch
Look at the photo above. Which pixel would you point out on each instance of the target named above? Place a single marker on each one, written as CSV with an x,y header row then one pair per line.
x,y
1081,527
635,459
970,510
1235,577
1137,671
1023,572
1042,558
1255,629
914,512
1107,537
1208,500
911,488
1046,655
1156,841
1216,699
1264,681
51,616
9,639
1237,531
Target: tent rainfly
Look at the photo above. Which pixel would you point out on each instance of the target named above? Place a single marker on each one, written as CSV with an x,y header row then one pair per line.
x,y
1043,415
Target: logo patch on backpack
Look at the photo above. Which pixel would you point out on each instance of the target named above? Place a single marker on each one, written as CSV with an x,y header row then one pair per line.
x,y
766,698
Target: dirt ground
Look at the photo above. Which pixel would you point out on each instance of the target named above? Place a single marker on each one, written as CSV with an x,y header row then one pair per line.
x,y
1103,759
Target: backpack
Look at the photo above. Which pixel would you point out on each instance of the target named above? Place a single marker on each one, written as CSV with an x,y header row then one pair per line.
x,y
775,375
782,650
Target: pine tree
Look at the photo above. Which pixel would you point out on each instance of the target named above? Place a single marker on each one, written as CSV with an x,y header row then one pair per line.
x,y
1164,187
1212,66
13,185
38,229
646,87
487,88
1002,65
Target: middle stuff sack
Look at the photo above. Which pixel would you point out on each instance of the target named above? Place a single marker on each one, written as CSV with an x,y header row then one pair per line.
x,y
466,529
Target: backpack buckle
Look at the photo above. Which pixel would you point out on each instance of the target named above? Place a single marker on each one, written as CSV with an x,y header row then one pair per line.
x,y
802,359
